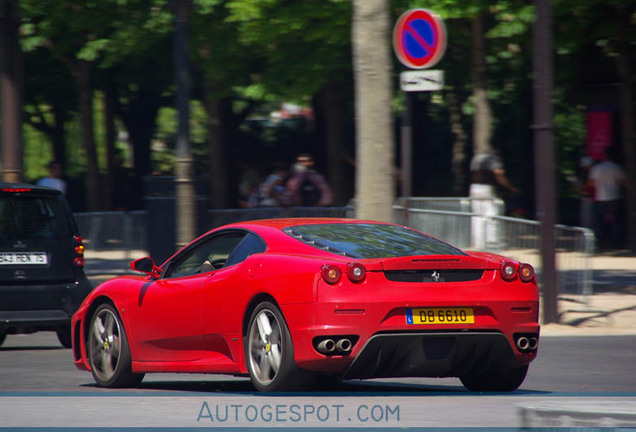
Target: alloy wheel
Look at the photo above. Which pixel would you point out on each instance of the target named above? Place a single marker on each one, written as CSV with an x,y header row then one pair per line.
x,y
265,347
105,344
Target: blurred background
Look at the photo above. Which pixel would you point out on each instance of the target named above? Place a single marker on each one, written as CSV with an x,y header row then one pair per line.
x,y
270,79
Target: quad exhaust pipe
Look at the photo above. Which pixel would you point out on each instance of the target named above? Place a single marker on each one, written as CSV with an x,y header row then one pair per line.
x,y
343,345
523,343
326,346
527,343
330,346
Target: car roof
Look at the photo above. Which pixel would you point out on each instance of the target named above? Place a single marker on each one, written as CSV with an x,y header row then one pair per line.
x,y
272,231
25,188
281,223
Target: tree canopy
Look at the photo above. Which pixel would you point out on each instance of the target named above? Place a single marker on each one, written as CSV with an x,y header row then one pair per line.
x,y
97,81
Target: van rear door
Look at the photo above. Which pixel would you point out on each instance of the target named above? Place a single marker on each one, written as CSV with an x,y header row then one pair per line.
x,y
36,237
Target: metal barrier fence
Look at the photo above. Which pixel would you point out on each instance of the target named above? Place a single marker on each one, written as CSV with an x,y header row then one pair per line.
x,y
574,249
113,239
513,237
454,204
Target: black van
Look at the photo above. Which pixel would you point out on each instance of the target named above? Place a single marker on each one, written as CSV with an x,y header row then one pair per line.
x,y
42,280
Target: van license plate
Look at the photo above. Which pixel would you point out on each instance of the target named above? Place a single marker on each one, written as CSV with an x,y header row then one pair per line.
x,y
23,258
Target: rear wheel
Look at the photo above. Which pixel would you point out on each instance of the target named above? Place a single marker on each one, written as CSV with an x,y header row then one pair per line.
x,y
64,336
492,382
108,350
270,353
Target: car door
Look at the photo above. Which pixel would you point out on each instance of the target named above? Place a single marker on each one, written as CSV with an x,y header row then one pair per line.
x,y
165,316
225,296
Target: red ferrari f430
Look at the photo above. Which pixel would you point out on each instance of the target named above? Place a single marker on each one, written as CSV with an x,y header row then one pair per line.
x,y
285,301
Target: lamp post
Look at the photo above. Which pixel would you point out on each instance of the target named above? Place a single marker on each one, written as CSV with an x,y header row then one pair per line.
x,y
544,156
184,181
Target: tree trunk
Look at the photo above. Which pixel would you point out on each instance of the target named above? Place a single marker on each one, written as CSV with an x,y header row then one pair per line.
x,y
375,149
458,164
140,118
57,134
82,73
482,128
219,161
10,92
109,120
627,102
333,108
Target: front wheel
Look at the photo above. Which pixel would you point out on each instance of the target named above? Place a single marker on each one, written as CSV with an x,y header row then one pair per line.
x,y
492,382
270,353
108,350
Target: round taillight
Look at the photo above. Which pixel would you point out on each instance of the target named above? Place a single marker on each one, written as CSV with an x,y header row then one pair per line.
x,y
356,272
508,271
79,250
79,262
526,272
78,239
330,273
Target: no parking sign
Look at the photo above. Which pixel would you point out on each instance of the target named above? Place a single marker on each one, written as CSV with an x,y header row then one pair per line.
x,y
419,39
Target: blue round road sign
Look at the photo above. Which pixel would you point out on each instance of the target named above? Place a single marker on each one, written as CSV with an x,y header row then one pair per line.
x,y
419,39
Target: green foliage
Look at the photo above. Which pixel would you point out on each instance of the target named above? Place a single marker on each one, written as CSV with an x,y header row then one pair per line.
x,y
164,145
37,153
268,51
301,43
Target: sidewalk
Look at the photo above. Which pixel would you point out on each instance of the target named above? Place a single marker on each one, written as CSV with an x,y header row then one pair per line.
x,y
610,310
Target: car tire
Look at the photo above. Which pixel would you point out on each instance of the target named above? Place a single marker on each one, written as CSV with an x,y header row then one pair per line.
x,y
492,382
108,350
269,353
64,336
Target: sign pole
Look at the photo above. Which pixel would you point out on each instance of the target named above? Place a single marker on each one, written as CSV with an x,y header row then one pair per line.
x,y
406,143
544,158
419,42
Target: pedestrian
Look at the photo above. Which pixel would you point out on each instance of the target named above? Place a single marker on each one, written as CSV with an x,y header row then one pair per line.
x,y
487,175
586,208
306,187
54,179
607,178
271,193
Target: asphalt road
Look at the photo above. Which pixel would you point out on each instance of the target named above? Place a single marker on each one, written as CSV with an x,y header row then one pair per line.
x,y
570,372
37,362
591,375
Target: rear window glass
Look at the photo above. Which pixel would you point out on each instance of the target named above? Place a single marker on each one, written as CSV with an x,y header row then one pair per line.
x,y
357,240
33,217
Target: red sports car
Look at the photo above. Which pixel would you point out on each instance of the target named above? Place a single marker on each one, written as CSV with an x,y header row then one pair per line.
x,y
288,300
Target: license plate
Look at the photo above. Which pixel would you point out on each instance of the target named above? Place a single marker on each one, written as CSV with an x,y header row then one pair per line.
x,y
440,316
23,258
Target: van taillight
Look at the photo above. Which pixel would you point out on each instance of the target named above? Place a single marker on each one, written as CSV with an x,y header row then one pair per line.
x,y
78,261
18,190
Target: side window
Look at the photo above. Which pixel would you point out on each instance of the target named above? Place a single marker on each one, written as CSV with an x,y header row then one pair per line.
x,y
209,254
250,244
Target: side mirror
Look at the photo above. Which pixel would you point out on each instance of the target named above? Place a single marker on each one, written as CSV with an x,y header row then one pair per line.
x,y
146,265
